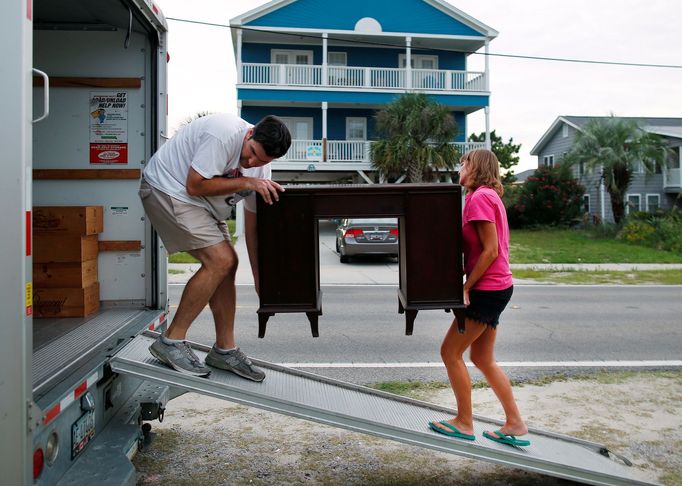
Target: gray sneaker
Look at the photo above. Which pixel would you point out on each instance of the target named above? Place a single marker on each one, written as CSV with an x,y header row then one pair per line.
x,y
236,362
180,357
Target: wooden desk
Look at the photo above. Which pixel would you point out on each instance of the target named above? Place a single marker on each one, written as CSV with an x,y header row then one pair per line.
x,y
430,246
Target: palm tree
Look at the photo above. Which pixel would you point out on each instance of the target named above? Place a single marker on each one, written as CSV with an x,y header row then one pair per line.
x,y
415,134
617,146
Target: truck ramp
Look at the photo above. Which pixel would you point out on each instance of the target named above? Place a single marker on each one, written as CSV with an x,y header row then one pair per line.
x,y
360,409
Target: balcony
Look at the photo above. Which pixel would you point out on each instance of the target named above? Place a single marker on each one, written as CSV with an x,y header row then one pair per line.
x,y
286,75
340,154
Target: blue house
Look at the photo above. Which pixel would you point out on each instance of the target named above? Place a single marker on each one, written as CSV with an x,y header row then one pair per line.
x,y
325,67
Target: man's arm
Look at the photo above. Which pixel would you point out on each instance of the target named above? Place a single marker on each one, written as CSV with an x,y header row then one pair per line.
x,y
197,185
250,231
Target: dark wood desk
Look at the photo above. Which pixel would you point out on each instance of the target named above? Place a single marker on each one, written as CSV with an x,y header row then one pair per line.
x,y
430,246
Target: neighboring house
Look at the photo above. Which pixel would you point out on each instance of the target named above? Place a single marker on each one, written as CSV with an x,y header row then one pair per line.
x,y
647,192
325,67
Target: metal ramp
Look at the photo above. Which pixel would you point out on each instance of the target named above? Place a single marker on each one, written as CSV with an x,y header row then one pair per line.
x,y
360,409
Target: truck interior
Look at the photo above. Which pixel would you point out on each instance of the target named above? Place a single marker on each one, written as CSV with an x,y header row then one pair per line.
x,y
89,48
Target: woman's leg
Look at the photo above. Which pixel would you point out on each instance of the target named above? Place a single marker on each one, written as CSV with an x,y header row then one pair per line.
x,y
451,352
482,355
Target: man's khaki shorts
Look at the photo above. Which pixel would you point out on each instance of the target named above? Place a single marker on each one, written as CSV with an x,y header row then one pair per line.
x,y
181,226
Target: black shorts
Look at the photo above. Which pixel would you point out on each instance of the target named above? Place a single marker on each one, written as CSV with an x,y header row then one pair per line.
x,y
485,306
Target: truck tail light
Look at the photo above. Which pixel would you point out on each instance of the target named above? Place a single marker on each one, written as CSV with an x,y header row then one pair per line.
x,y
394,232
353,232
38,463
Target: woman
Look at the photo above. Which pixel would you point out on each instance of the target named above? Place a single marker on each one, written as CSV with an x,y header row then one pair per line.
x,y
487,291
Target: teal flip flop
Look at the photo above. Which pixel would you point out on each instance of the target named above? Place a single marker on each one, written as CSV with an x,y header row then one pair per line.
x,y
453,432
503,438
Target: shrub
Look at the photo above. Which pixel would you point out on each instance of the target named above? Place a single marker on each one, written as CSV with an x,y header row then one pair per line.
x,y
550,197
660,230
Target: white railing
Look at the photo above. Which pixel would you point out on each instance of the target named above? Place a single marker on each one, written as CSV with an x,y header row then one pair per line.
x,y
672,178
362,77
347,150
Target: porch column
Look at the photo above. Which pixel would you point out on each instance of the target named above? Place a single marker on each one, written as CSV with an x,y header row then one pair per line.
x,y
487,128
408,62
239,56
487,65
325,74
325,105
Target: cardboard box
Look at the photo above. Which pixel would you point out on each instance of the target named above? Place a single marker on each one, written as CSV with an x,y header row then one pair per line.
x,y
70,274
66,302
68,220
58,248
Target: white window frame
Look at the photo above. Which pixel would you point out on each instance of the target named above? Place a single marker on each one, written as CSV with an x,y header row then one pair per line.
x,y
345,58
564,131
627,202
582,169
402,63
350,119
290,122
589,203
290,52
657,196
548,160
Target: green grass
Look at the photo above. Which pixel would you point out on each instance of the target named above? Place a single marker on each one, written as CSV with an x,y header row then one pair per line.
x,y
580,246
587,277
184,257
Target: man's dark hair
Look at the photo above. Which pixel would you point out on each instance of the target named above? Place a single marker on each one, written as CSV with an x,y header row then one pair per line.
x,y
273,135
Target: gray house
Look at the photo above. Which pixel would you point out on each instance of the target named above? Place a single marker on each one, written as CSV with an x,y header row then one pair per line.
x,y
647,192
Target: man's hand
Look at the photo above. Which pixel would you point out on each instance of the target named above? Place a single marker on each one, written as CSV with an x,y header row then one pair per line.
x,y
268,189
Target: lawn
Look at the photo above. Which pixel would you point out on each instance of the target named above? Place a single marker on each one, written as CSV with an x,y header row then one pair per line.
x,y
183,257
580,246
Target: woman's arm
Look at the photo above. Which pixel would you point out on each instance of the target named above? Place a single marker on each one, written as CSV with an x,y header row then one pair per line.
x,y
487,234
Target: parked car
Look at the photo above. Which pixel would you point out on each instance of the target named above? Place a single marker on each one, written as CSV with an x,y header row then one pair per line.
x,y
376,236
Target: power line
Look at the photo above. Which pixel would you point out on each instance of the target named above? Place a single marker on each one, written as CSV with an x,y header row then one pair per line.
x,y
491,54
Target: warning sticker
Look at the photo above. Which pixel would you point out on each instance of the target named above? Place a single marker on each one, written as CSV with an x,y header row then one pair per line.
x,y
109,127
29,299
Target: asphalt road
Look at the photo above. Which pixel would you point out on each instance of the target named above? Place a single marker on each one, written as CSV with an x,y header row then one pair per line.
x,y
542,324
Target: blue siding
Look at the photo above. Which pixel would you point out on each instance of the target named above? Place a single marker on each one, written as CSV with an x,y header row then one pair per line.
x,y
350,97
356,56
394,16
336,119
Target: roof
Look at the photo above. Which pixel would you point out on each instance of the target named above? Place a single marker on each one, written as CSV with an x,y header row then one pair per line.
x,y
667,127
323,12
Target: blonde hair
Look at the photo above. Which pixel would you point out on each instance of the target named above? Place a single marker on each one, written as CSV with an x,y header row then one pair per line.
x,y
484,170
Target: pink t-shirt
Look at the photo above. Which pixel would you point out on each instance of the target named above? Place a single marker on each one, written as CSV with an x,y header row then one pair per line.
x,y
485,205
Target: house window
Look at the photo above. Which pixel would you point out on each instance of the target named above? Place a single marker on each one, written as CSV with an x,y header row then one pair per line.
x,y
586,203
633,202
581,168
292,56
653,202
548,161
564,131
337,59
356,128
419,61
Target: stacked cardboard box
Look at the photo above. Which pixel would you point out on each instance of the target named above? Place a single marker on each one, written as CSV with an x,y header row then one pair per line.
x,y
65,260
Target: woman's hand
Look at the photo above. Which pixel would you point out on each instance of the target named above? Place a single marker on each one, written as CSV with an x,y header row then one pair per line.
x,y
466,297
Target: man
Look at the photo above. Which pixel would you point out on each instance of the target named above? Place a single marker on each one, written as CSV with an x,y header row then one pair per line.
x,y
186,191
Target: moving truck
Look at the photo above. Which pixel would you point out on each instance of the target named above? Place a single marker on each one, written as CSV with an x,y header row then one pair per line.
x,y
84,107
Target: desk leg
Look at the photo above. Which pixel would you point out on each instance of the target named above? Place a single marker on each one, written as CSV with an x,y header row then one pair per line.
x,y
262,321
312,317
460,315
401,310
410,316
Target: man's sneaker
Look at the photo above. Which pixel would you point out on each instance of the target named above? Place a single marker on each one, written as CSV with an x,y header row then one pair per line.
x,y
179,356
236,362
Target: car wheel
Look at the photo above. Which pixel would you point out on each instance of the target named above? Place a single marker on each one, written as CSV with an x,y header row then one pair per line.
x,y
338,250
344,258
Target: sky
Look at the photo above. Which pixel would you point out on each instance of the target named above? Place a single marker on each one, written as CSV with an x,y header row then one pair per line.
x,y
526,95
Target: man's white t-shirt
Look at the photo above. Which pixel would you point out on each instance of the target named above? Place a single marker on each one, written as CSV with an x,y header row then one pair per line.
x,y
211,145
